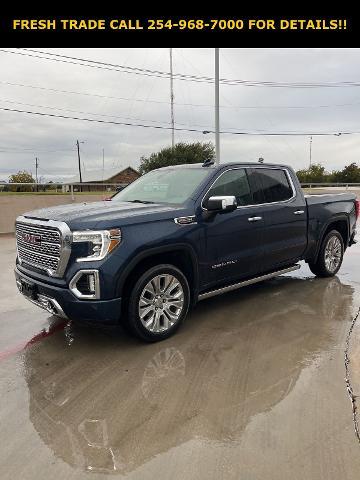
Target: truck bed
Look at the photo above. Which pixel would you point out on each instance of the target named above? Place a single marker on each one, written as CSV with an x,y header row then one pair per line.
x,y
321,207
325,198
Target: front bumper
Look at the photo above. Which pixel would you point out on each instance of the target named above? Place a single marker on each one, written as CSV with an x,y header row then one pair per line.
x,y
60,301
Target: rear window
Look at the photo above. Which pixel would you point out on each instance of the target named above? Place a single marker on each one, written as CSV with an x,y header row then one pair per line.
x,y
274,184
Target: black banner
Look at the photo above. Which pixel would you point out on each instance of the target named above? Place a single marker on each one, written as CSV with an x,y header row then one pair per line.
x,y
201,28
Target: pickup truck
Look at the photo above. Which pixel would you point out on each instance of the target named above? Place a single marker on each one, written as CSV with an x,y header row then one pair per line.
x,y
176,236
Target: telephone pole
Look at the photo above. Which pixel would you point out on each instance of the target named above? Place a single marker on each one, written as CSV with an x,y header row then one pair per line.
x,y
310,151
172,101
217,114
79,162
36,172
103,167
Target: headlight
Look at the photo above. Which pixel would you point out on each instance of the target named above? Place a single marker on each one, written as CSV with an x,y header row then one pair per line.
x,y
101,242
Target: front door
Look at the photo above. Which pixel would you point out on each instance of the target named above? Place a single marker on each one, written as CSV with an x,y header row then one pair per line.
x,y
232,241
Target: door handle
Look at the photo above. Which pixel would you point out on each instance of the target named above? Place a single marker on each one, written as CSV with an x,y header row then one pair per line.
x,y
254,219
299,212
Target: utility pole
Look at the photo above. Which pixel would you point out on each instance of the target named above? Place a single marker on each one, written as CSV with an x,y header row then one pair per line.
x,y
217,114
36,172
310,151
172,101
103,167
79,162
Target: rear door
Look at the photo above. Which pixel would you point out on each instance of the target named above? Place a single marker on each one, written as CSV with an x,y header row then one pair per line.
x,y
285,216
233,244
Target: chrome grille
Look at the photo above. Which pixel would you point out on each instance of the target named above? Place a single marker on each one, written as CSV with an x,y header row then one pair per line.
x,y
37,260
42,246
47,235
52,249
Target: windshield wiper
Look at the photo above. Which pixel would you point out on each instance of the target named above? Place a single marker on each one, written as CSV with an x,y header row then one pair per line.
x,y
140,201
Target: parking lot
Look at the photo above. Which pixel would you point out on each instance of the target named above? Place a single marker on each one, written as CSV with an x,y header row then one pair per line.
x,y
251,387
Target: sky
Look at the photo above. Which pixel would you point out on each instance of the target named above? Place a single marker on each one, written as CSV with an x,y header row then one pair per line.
x,y
40,85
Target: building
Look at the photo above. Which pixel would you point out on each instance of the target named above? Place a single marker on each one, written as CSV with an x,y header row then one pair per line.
x,y
101,180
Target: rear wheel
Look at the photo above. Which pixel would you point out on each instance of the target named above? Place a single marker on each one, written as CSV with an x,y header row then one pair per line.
x,y
330,256
159,303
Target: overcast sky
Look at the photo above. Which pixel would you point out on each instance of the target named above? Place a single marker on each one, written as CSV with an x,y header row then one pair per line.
x,y
145,99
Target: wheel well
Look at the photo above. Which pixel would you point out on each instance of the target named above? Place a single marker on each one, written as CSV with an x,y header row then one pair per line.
x,y
179,258
342,227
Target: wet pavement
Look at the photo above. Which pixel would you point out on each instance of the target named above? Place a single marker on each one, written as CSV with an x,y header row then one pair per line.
x,y
251,387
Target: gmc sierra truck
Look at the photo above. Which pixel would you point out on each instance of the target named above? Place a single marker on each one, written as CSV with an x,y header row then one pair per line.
x,y
175,236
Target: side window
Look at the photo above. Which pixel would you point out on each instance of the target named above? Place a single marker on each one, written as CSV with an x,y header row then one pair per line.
x,y
233,182
256,186
275,185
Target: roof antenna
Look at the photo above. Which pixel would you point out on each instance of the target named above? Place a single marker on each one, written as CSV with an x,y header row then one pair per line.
x,y
208,162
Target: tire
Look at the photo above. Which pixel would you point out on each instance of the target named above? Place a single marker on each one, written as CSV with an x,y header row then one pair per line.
x,y
159,303
330,256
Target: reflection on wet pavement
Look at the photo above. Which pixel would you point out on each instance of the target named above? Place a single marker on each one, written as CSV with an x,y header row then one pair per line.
x,y
251,387
140,400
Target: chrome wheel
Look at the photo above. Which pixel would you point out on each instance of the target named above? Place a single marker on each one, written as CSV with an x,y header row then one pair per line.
x,y
161,303
333,254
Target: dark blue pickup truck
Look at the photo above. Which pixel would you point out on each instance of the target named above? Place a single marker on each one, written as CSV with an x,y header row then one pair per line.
x,y
176,236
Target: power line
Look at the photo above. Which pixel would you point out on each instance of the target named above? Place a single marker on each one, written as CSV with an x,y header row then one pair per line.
x,y
109,66
203,78
99,114
26,150
177,128
84,113
178,76
125,99
80,93
115,116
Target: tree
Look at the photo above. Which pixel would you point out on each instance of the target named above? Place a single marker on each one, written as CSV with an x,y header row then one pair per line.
x,y
350,174
21,177
315,173
181,153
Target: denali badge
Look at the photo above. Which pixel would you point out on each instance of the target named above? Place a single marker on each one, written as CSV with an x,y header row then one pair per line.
x,y
224,264
31,238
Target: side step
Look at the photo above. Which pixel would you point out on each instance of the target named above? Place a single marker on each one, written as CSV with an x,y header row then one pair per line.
x,y
235,286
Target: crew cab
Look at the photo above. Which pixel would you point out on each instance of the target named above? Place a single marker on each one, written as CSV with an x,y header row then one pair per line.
x,y
176,236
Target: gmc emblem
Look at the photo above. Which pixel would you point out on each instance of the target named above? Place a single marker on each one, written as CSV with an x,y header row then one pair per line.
x,y
31,238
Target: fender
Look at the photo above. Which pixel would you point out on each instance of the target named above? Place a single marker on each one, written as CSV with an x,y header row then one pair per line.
x,y
333,219
156,251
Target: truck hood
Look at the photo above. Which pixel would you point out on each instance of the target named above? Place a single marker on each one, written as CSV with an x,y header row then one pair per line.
x,y
104,214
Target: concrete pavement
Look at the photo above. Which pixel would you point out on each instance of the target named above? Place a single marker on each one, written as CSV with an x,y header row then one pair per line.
x,y
251,387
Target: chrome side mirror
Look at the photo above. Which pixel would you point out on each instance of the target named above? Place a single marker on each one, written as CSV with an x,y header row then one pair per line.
x,y
221,204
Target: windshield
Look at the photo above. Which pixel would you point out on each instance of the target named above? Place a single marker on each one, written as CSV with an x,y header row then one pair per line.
x,y
163,186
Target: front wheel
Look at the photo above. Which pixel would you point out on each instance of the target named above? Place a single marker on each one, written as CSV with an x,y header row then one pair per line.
x,y
159,303
330,256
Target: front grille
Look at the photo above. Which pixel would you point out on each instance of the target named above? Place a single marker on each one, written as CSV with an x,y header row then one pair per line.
x,y
39,246
52,249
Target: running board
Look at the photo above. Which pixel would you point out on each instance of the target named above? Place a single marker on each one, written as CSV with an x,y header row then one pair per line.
x,y
235,286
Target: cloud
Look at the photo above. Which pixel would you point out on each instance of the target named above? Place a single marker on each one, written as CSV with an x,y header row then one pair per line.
x,y
52,140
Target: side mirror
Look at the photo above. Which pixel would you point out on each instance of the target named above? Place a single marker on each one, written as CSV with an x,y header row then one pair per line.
x,y
221,204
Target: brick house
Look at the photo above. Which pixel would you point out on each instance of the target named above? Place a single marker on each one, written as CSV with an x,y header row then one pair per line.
x,y
122,177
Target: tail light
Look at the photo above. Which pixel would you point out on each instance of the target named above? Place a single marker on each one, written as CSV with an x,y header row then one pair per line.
x,y
357,209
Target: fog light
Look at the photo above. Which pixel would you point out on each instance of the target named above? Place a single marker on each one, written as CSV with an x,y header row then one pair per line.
x,y
91,279
85,284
